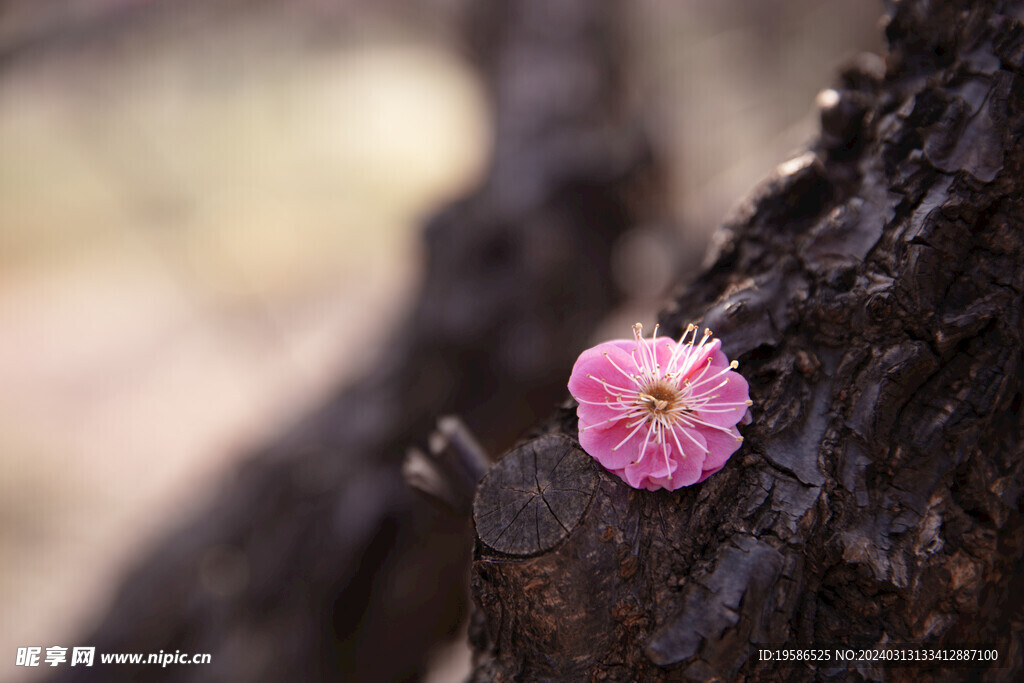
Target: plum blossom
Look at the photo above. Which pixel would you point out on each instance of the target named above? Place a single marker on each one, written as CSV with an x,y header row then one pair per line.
x,y
659,413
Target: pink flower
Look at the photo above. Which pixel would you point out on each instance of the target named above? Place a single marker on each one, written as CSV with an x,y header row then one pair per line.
x,y
659,413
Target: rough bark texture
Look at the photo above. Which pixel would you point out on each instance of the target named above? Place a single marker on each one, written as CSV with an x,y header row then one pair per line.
x,y
872,292
316,562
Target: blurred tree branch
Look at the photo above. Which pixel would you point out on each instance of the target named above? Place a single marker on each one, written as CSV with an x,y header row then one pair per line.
x,y
316,561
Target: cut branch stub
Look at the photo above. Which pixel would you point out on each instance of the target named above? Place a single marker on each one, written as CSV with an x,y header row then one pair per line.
x,y
534,497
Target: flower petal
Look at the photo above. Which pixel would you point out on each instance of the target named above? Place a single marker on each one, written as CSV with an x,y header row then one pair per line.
x,y
601,444
734,391
599,417
599,363
721,446
689,463
653,465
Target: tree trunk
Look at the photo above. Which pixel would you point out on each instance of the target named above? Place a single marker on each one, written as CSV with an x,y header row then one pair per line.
x,y
871,290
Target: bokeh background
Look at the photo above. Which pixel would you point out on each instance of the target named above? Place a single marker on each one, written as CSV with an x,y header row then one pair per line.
x,y
223,198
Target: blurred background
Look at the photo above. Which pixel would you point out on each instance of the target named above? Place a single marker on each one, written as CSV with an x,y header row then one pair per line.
x,y
225,198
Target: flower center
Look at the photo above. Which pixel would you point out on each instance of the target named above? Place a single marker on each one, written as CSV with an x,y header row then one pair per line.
x,y
659,398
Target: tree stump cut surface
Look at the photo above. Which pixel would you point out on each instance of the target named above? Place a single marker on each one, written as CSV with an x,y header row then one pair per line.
x,y
534,497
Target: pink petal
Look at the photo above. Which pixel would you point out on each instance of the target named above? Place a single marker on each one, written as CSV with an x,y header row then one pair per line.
x,y
735,390
635,477
598,418
690,462
652,466
676,482
662,483
721,446
600,442
593,365
626,345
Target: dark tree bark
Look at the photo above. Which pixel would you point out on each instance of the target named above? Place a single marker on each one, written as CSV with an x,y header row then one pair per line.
x,y
872,292
316,562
